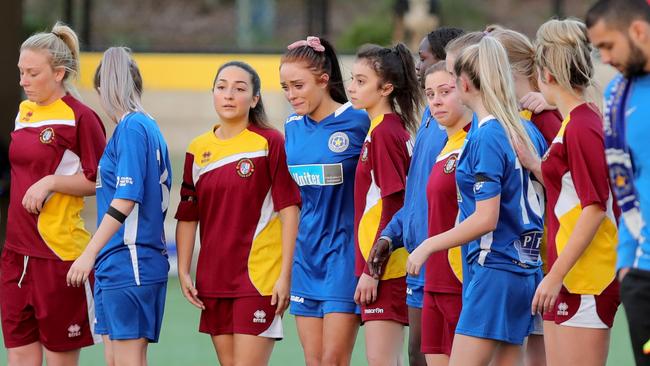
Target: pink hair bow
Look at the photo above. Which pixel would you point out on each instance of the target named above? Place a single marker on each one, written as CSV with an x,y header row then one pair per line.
x,y
313,42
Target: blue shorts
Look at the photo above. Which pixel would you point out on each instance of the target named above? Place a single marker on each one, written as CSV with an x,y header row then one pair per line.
x,y
130,312
414,295
302,306
497,305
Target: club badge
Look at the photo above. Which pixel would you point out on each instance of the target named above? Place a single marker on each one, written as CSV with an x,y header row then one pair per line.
x,y
450,165
47,135
338,142
364,152
245,167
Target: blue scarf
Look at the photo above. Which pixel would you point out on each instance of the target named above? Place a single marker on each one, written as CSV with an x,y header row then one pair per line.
x,y
621,168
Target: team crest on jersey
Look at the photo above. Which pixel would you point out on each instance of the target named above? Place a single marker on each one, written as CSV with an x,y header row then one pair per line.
x,y
205,157
338,142
245,167
364,152
27,116
47,135
450,165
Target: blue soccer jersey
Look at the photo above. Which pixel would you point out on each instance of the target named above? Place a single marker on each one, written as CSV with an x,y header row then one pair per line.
x,y
488,166
322,158
135,166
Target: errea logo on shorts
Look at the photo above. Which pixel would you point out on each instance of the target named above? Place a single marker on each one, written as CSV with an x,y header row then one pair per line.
x,y
374,311
409,291
563,309
299,299
259,316
74,331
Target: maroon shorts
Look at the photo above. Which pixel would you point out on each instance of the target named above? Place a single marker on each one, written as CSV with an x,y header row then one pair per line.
x,y
240,315
440,313
37,304
585,311
390,303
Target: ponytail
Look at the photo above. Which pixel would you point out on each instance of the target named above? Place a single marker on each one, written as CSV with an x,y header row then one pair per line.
x,y
486,64
322,61
62,45
395,66
119,83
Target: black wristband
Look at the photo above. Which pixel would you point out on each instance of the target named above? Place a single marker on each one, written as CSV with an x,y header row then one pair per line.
x,y
116,214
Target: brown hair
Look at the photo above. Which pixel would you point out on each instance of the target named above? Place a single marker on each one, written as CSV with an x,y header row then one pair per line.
x,y
325,62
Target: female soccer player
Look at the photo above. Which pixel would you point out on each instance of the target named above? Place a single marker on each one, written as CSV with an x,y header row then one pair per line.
x,y
324,139
54,152
247,240
500,220
383,83
521,55
408,227
128,249
579,295
443,287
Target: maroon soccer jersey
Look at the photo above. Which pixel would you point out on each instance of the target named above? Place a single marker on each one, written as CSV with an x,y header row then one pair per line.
x,y
575,176
548,122
444,273
235,188
382,168
62,138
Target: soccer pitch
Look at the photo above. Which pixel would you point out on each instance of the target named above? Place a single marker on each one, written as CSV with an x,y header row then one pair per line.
x,y
182,344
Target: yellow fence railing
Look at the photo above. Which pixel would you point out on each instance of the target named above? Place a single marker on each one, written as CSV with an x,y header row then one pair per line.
x,y
190,72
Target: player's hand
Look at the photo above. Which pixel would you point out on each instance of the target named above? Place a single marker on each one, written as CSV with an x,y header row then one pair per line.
x,y
379,254
417,258
366,292
526,157
189,291
36,195
280,295
622,273
80,270
535,102
546,294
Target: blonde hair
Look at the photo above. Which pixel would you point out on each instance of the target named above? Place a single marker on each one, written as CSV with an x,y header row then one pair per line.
x,y
486,65
62,45
119,83
521,53
563,49
468,39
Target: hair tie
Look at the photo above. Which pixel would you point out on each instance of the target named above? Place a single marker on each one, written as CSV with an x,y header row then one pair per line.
x,y
313,42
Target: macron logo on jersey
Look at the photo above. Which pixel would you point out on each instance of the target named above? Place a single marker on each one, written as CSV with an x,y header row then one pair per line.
x,y
374,311
317,174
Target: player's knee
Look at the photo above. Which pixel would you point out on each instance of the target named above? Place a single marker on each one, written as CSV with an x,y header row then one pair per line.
x,y
312,360
334,359
24,357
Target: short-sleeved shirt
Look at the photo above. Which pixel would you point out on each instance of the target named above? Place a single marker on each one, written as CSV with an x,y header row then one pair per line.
x,y
62,138
408,227
576,176
488,167
548,122
135,167
235,188
381,171
322,158
444,268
